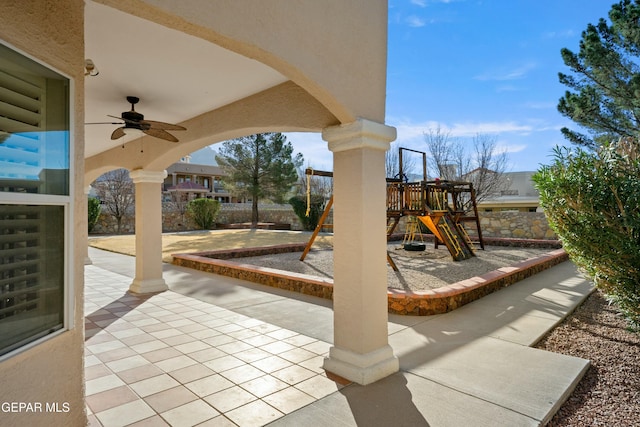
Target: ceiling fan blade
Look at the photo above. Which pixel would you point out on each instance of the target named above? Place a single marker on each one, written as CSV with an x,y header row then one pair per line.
x,y
118,133
162,125
159,133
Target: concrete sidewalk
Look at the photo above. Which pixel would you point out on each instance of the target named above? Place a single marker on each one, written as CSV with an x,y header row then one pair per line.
x,y
472,366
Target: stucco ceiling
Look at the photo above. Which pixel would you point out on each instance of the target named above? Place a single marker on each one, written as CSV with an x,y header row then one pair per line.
x,y
176,76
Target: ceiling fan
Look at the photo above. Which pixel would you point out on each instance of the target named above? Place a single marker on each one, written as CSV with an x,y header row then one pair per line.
x,y
134,120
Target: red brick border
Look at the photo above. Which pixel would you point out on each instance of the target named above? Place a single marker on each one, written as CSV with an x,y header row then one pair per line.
x,y
421,303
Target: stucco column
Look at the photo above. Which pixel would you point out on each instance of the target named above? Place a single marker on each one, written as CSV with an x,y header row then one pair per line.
x,y
361,351
148,232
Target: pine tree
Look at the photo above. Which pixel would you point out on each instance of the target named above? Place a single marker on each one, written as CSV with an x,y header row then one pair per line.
x,y
604,95
260,166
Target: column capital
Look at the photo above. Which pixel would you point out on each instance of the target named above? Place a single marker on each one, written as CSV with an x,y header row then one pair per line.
x,y
362,133
147,176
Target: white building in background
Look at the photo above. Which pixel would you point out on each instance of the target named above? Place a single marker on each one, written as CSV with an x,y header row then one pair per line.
x,y
519,194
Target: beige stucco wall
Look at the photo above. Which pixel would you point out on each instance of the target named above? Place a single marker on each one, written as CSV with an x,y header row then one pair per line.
x,y
283,108
335,76
52,32
344,67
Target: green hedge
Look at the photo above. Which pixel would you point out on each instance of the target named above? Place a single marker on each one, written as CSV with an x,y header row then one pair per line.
x,y
592,202
316,208
203,212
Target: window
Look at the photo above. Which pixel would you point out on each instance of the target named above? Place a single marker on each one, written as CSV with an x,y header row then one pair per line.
x,y
35,200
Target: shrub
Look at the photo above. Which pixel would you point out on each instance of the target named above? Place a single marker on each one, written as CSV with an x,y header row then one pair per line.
x,y
93,210
316,208
203,212
592,200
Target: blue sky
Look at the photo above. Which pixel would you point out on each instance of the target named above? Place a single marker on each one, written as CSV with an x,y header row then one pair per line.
x,y
477,66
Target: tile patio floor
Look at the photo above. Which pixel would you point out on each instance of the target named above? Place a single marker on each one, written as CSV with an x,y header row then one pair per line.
x,y
169,359
215,351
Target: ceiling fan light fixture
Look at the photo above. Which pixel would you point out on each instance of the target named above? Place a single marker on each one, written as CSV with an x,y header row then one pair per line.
x,y
134,122
133,131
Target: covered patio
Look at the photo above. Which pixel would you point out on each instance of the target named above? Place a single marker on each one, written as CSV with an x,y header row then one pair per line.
x,y
206,70
215,351
219,70
168,340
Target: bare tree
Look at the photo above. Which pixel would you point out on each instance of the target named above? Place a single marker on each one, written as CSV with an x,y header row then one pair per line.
x,y
117,193
490,166
180,201
447,159
483,164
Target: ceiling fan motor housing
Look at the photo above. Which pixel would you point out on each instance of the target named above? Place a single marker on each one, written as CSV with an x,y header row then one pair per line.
x,y
132,119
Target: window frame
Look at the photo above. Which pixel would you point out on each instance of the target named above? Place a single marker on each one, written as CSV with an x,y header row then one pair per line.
x,y
68,204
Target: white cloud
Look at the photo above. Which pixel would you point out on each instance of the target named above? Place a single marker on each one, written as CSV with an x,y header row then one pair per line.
x,y
504,147
408,131
507,74
415,21
411,135
421,3
493,128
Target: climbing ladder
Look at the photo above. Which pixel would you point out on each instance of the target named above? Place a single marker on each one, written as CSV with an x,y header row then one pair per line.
x,y
412,230
449,232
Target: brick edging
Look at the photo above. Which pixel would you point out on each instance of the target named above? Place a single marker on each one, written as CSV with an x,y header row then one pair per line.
x,y
421,303
450,297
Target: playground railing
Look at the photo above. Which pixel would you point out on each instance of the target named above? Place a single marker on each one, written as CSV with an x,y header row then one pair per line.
x,y
405,196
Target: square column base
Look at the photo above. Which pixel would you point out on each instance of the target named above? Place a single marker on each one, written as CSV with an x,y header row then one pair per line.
x,y
362,368
148,286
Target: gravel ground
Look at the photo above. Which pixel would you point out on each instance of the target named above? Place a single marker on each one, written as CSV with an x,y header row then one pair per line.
x,y
418,270
609,393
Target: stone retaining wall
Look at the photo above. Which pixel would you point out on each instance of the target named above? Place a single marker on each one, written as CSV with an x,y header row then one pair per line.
x,y
174,220
234,213
515,225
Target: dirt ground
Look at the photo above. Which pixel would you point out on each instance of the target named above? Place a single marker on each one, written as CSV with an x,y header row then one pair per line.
x,y
210,240
418,270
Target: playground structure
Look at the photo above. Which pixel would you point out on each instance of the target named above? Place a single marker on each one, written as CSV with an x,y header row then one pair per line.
x,y
443,206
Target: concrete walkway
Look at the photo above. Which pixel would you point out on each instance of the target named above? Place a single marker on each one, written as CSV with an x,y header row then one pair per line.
x,y
218,351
